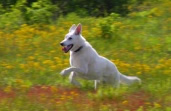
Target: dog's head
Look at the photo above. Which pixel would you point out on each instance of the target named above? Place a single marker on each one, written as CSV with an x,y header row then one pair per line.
x,y
72,39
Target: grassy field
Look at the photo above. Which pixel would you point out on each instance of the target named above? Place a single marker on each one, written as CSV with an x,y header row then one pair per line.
x,y
140,45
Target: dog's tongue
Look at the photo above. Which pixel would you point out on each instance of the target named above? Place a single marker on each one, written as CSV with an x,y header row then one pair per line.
x,y
65,49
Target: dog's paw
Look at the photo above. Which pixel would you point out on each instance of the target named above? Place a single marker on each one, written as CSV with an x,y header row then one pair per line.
x,y
64,72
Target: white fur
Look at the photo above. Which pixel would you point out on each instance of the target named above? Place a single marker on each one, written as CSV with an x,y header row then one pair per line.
x,y
88,64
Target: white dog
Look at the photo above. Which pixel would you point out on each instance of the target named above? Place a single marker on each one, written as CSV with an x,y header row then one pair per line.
x,y
86,63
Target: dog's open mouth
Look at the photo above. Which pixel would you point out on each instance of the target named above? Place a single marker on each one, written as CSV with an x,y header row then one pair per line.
x,y
67,48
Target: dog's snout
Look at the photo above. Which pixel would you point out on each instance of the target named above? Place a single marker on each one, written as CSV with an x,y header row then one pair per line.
x,y
62,44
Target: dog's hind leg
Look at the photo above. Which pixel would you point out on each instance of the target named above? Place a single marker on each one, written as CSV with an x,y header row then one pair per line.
x,y
116,82
96,83
113,80
72,78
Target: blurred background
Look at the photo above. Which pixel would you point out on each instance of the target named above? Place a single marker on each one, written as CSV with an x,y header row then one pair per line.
x,y
134,34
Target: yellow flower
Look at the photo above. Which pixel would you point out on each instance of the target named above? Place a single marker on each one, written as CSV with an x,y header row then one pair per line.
x,y
24,87
8,89
18,55
53,89
72,92
36,64
9,67
139,73
44,87
157,105
31,58
147,103
53,67
58,102
52,51
70,97
167,71
62,98
48,62
57,58
22,66
125,102
19,81
52,28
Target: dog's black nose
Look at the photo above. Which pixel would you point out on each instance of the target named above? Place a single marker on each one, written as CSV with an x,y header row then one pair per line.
x,y
62,44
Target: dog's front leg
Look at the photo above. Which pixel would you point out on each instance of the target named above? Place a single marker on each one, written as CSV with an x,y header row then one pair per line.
x,y
72,78
96,83
74,69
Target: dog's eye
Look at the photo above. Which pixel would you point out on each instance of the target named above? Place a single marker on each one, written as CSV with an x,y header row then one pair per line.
x,y
69,38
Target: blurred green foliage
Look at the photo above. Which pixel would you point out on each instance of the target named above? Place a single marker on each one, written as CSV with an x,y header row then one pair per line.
x,y
82,7
46,11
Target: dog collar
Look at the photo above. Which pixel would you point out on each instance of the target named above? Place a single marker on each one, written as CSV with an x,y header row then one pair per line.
x,y
78,49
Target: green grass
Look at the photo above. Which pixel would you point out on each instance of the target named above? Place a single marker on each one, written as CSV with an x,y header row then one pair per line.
x,y
139,45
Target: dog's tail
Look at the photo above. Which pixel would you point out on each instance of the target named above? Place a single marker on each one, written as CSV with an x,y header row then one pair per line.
x,y
129,79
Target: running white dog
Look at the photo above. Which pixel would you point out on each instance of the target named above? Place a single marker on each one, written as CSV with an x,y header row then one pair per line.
x,y
86,63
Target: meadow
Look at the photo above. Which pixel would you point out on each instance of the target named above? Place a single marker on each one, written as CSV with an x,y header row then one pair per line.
x,y
139,44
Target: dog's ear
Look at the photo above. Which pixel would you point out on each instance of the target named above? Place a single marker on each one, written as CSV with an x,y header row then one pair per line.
x,y
78,29
72,28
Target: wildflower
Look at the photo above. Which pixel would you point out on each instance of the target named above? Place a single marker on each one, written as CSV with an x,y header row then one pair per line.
x,y
19,81
52,51
125,102
147,103
52,28
9,67
53,89
76,94
157,105
24,88
62,98
53,67
8,89
139,73
57,58
18,55
31,58
70,97
58,102
44,87
48,62
167,71
36,64
22,66
72,92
